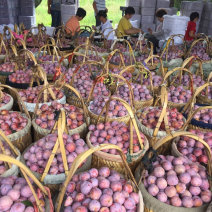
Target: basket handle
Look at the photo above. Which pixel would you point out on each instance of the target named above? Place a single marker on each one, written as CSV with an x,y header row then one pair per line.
x,y
12,147
14,50
121,64
61,127
8,32
132,120
102,77
30,35
20,101
193,44
2,44
188,62
58,85
27,174
47,48
90,70
161,68
163,116
180,70
191,135
78,161
191,102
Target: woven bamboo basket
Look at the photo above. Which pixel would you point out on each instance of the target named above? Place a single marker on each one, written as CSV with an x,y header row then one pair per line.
x,y
4,75
166,77
79,31
194,123
30,36
2,49
151,204
154,135
145,68
143,49
40,132
193,44
36,78
50,49
21,139
112,161
187,64
9,105
95,117
59,205
60,128
27,174
88,50
7,32
142,103
47,91
202,98
171,42
121,64
73,99
10,169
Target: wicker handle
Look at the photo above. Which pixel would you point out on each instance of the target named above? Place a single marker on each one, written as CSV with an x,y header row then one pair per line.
x,y
132,120
78,161
29,53
20,101
121,64
142,71
2,44
139,43
191,102
8,32
30,35
161,68
21,41
50,41
61,128
14,50
191,115
99,79
193,44
163,115
180,70
80,66
188,62
27,174
191,135
66,86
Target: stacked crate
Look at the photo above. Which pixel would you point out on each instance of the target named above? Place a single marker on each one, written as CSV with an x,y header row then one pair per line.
x,y
9,11
187,7
136,4
148,14
27,15
206,20
68,10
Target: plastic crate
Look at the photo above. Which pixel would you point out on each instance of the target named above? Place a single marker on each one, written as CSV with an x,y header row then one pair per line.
x,y
207,7
137,10
10,20
162,3
133,3
147,18
6,3
148,3
28,11
147,11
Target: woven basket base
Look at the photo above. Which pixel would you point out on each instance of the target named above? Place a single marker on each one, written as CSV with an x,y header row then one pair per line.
x,y
23,142
15,104
203,100
3,79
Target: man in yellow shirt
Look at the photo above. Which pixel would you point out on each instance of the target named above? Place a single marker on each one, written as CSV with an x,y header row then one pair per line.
x,y
125,28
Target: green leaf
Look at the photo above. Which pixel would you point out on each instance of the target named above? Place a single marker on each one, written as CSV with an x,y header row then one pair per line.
x,y
27,203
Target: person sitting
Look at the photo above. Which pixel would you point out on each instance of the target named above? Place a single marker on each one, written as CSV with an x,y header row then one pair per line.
x,y
125,28
191,28
106,26
159,33
73,22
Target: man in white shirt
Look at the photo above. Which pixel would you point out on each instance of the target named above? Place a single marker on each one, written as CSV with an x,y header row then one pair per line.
x,y
97,6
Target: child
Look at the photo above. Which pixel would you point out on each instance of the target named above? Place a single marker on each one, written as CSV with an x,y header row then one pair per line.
x,y
73,22
105,26
191,28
